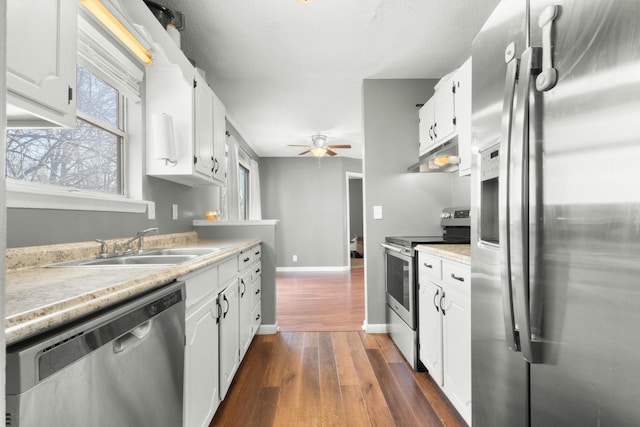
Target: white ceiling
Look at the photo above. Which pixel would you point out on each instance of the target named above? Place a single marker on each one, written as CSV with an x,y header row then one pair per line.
x,y
287,70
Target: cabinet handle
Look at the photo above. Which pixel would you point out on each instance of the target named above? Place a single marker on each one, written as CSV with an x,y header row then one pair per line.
x,y
434,130
70,95
257,253
217,163
224,315
441,307
246,259
244,288
258,317
428,265
434,300
257,270
219,310
458,278
257,291
430,132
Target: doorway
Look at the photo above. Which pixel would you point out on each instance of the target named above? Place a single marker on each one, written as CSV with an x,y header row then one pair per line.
x,y
355,220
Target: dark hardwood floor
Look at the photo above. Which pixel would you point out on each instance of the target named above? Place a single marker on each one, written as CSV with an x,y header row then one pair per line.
x,y
322,370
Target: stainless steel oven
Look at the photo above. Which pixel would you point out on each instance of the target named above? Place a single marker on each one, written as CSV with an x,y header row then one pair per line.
x,y
401,279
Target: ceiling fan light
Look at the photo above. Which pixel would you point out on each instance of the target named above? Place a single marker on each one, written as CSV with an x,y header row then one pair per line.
x,y
319,140
318,151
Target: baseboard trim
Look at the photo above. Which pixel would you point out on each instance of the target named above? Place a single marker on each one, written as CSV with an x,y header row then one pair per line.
x,y
337,268
268,329
380,328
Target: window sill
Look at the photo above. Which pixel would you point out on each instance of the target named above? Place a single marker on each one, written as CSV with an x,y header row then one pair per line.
x,y
34,196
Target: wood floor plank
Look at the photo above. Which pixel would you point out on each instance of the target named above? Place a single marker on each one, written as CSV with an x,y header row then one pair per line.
x,y
245,389
388,348
265,408
309,404
416,400
290,367
372,395
346,370
398,405
354,406
287,356
330,393
438,401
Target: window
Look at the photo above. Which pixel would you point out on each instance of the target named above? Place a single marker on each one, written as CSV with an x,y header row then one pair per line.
x,y
88,157
243,191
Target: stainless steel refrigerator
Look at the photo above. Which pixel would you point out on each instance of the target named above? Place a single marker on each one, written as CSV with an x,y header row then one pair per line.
x,y
555,295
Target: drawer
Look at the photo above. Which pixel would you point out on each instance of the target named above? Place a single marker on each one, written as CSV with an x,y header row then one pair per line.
x,y
257,317
429,266
199,285
456,275
245,259
256,270
228,270
256,290
257,252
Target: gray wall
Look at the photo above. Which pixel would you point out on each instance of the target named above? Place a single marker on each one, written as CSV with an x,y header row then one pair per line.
x,y
411,202
3,239
310,201
356,223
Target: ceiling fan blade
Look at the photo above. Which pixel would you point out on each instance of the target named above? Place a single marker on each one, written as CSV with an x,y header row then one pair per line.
x,y
304,152
331,153
339,146
298,145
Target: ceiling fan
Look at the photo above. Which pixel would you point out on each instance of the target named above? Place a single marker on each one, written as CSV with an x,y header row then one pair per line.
x,y
319,146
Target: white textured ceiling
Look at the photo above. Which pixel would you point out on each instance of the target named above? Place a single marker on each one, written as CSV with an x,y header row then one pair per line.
x,y
287,70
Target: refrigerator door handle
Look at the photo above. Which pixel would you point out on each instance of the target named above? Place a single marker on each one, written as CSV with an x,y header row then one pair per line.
x,y
511,333
519,202
548,76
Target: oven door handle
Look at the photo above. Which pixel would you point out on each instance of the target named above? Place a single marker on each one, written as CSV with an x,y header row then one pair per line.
x,y
391,248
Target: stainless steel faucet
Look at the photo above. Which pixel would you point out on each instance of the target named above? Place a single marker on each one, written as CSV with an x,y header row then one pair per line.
x,y
128,245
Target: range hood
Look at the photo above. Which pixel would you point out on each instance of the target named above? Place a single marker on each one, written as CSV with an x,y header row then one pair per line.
x,y
443,158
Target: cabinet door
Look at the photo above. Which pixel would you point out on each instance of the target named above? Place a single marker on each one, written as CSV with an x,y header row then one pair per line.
x,y
219,140
203,127
430,328
201,396
444,112
425,129
463,116
41,62
229,336
457,350
246,305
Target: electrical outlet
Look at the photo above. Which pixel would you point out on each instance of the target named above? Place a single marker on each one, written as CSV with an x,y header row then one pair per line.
x,y
174,211
151,210
295,258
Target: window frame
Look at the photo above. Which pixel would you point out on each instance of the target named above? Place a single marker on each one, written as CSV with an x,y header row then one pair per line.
x,y
21,194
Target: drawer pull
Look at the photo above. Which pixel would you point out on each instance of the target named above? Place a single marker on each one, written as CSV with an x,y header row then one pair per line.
x,y
257,253
246,259
257,270
458,278
257,291
258,317
428,265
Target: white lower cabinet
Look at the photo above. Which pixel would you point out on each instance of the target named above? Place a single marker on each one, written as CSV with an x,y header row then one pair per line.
x,y
222,317
201,396
229,336
445,327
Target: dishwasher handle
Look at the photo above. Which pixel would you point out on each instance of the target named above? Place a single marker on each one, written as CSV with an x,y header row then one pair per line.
x,y
133,337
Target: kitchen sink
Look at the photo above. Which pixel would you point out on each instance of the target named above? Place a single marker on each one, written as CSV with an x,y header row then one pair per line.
x,y
150,257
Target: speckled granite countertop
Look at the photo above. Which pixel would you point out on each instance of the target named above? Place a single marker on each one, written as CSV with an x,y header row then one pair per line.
x,y
459,253
38,299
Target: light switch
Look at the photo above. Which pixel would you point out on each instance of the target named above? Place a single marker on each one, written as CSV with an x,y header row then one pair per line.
x,y
377,212
174,211
151,210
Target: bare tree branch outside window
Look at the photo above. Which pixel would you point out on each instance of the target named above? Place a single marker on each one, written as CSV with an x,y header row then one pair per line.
x,y
88,157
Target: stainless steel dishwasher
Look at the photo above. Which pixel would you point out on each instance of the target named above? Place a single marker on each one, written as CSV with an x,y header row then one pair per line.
x,y
122,367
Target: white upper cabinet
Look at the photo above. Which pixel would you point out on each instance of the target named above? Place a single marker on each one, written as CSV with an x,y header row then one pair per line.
x,y
463,116
41,63
437,116
203,127
219,141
